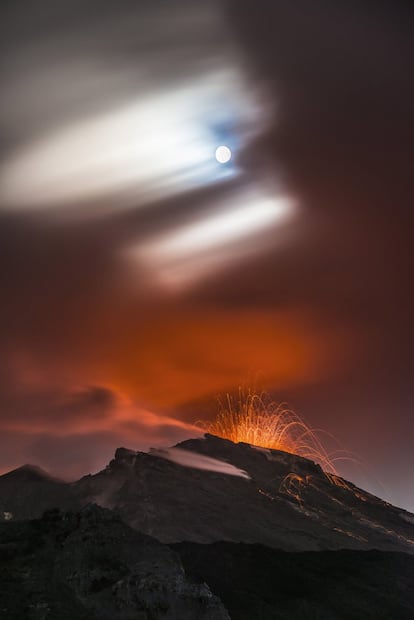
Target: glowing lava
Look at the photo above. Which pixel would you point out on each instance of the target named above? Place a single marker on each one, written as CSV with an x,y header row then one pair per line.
x,y
256,420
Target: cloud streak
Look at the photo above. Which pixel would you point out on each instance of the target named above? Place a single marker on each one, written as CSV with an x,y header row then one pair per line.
x,y
186,458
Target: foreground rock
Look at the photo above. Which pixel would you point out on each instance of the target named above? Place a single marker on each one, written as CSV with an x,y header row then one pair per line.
x,y
91,566
256,582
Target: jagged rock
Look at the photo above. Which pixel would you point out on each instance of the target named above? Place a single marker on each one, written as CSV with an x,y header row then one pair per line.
x,y
89,564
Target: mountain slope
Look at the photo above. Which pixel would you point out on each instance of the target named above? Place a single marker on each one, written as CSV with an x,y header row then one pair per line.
x,y
26,492
288,502
285,502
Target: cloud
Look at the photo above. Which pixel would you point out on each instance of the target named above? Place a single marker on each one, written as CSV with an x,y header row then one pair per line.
x,y
186,458
91,401
127,108
76,432
47,406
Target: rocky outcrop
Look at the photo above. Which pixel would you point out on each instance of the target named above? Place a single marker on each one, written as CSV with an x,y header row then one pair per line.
x,y
90,565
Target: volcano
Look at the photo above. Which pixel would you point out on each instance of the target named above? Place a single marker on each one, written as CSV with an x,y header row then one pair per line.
x,y
280,500
269,518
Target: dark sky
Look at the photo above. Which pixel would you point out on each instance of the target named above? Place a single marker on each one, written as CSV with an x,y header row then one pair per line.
x,y
131,293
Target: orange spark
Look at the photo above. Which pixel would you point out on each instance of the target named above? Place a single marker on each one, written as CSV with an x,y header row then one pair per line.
x,y
256,420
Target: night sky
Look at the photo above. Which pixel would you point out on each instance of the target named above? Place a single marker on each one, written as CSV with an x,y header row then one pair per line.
x,y
141,278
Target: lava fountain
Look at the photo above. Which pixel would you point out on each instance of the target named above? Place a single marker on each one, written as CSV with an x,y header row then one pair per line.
x,y
257,420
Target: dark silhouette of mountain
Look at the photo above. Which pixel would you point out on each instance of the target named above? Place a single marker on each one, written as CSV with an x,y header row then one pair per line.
x,y
28,491
91,566
269,532
265,584
286,502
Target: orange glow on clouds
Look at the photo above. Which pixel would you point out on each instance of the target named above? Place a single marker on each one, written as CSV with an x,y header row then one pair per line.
x,y
135,381
173,359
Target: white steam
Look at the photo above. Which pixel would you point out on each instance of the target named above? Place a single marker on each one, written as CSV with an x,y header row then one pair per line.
x,y
198,461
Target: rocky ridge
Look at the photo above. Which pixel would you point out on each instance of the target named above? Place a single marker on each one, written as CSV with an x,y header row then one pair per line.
x,y
285,502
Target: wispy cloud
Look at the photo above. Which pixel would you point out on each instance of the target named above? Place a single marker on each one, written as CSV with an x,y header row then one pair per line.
x,y
186,458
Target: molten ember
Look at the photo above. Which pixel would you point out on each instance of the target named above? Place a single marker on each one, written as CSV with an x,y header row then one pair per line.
x,y
256,420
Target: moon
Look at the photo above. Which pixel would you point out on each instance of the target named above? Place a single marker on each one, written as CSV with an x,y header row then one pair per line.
x,y
223,154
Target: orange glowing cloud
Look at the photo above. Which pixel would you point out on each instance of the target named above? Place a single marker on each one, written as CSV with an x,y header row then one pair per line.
x,y
165,360
124,378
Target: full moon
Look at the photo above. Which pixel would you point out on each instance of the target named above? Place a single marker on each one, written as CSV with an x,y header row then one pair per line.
x,y
223,154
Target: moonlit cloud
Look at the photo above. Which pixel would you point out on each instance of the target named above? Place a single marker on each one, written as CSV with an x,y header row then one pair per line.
x,y
206,244
222,228
129,110
153,146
